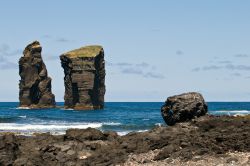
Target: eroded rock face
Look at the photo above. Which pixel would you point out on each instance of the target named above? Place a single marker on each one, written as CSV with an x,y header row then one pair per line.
x,y
181,108
84,80
35,85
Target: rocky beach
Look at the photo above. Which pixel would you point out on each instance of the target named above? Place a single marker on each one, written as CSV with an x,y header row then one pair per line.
x,y
125,83
208,140
191,136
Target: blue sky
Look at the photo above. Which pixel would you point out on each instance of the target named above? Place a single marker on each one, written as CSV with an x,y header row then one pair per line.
x,y
153,49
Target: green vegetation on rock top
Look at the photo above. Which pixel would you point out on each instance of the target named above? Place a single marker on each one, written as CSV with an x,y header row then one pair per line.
x,y
87,51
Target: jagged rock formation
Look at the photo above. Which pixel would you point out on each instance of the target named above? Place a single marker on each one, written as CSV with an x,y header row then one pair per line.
x,y
35,85
183,107
84,80
182,144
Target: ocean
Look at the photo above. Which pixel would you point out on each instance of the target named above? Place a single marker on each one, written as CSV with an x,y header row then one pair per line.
x,y
122,117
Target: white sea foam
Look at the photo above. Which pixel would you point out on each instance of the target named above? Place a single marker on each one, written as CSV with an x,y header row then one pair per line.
x,y
52,125
68,109
45,127
233,112
22,116
140,131
158,124
121,133
22,108
111,123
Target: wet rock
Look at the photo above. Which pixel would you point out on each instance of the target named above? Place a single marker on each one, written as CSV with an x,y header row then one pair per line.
x,y
184,107
35,85
84,134
84,80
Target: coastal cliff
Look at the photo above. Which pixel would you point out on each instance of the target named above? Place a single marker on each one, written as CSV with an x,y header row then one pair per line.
x,y
35,85
84,80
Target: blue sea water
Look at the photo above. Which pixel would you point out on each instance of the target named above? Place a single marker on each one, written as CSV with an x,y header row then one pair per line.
x,y
122,117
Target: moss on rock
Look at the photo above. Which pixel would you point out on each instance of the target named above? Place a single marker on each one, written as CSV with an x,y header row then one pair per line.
x,y
87,51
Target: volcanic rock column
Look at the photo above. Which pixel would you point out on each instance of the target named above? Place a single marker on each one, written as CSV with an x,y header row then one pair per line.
x,y
84,80
35,85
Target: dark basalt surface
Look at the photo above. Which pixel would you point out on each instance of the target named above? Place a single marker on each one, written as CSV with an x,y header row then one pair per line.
x,y
183,107
84,80
35,85
207,135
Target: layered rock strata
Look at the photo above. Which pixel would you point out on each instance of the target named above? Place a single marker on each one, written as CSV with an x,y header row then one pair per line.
x,y
35,85
181,108
84,80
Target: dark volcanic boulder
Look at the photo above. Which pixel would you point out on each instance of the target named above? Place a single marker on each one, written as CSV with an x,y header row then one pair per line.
x,y
35,85
183,107
84,80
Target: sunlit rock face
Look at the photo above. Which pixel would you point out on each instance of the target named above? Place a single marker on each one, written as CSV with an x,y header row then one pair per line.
x,y
84,80
35,85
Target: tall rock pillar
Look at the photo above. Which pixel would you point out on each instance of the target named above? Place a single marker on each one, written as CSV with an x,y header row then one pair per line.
x,y
35,85
84,80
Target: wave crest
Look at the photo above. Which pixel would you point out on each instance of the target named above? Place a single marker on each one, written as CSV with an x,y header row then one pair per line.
x,y
45,127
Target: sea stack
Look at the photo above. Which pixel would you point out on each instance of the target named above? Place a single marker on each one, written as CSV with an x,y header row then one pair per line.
x,y
35,85
183,107
84,80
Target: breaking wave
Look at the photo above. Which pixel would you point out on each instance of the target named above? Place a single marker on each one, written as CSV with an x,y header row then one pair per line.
x,y
231,112
45,127
23,108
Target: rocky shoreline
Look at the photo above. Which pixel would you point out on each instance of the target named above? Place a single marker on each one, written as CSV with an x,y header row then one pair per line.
x,y
208,139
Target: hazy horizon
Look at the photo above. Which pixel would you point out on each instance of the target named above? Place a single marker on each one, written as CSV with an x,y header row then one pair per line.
x,y
153,49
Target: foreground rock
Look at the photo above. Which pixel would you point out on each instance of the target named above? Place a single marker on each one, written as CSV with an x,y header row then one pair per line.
x,y
181,108
208,139
35,85
84,79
